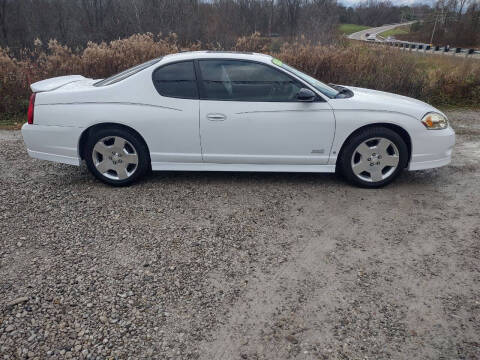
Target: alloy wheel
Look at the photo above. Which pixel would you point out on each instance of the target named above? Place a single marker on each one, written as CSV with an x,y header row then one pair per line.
x,y
375,159
115,158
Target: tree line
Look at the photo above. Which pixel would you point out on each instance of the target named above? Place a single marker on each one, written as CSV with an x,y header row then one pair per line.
x,y
75,22
377,13
451,22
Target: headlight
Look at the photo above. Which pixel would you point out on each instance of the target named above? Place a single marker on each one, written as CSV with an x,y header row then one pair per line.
x,y
435,121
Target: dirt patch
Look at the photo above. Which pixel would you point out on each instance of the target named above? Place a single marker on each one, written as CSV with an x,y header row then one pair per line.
x,y
240,266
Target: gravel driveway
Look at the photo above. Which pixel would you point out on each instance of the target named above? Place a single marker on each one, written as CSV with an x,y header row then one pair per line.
x,y
240,266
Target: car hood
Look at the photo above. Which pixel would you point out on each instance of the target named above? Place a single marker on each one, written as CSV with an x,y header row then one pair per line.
x,y
373,100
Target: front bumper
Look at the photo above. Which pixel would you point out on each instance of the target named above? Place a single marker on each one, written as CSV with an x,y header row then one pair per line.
x,y
432,148
53,143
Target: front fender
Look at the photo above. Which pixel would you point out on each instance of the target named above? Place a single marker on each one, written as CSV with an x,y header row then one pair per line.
x,y
349,121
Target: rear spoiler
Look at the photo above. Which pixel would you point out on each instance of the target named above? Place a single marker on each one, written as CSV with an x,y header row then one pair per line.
x,y
55,83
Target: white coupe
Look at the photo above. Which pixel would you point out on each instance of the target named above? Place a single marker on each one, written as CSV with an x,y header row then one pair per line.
x,y
226,111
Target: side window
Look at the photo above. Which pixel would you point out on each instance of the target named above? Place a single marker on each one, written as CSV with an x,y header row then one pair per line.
x,y
176,80
246,81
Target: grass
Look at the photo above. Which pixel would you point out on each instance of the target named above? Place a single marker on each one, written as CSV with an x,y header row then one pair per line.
x,y
348,29
12,122
401,30
454,107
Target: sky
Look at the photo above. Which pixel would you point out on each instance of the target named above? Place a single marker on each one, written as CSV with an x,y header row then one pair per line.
x,y
395,2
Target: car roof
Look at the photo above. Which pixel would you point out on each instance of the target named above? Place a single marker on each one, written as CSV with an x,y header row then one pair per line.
x,y
209,54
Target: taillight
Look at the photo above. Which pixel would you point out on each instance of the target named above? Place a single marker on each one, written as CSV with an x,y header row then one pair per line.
x,y
31,108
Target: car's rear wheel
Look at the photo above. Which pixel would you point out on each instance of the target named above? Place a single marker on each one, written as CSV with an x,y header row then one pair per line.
x,y
116,156
374,157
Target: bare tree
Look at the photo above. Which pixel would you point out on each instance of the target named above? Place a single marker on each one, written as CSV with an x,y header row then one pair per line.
x,y
96,12
3,17
293,13
75,22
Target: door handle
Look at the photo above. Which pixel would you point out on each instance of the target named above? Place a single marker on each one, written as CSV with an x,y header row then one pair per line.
x,y
216,117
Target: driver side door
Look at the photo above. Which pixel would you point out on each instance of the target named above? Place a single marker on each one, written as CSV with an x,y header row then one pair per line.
x,y
249,114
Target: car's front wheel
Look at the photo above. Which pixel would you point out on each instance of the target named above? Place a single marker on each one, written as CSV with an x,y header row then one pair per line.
x,y
374,157
116,156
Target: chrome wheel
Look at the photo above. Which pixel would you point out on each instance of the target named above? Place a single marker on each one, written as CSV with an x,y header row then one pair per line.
x,y
115,158
375,159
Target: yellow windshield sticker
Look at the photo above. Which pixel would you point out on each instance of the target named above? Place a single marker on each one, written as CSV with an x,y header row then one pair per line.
x,y
277,62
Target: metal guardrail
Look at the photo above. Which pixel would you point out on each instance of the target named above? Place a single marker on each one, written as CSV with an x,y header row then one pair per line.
x,y
432,49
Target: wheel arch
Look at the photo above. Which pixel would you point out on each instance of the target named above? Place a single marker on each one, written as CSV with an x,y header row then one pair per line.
x,y
398,129
86,133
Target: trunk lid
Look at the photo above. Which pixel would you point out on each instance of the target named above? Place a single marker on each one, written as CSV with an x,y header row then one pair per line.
x,y
55,83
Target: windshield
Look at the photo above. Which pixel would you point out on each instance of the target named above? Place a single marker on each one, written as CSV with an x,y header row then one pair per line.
x,y
323,88
126,73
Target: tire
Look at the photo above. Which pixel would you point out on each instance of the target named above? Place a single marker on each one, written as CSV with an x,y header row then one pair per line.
x,y
116,156
373,157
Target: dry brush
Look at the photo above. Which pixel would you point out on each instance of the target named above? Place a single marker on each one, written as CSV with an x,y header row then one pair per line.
x,y
438,80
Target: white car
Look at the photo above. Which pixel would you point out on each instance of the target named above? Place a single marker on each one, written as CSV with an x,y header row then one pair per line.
x,y
225,111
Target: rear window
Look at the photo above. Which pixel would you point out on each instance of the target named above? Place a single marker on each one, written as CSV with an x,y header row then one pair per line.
x,y
126,73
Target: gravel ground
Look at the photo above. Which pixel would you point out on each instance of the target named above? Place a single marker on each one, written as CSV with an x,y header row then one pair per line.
x,y
240,266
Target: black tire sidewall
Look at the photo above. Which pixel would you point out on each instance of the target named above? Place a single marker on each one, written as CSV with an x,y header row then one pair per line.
x,y
357,139
138,143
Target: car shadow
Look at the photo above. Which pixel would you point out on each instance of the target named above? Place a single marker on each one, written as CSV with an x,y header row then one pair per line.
x,y
431,177
241,177
407,178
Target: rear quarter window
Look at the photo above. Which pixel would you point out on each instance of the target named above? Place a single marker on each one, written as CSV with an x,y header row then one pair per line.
x,y
176,80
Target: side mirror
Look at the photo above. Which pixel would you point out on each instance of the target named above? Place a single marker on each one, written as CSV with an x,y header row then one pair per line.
x,y
305,94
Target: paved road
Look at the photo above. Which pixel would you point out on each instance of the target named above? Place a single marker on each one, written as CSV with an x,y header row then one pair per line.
x,y
362,35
